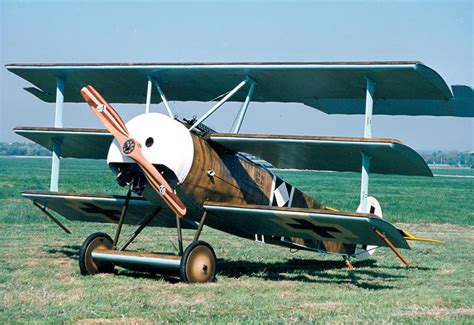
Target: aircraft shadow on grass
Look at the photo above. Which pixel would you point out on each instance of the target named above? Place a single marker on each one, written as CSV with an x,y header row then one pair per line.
x,y
312,271
71,251
300,270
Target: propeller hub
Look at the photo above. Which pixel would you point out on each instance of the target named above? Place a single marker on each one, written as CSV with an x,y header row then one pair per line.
x,y
128,146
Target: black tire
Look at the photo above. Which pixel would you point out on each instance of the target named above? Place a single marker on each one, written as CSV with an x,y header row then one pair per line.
x,y
86,264
198,263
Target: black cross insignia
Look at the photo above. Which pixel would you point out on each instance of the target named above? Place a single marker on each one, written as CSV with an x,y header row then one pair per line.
x,y
94,209
322,231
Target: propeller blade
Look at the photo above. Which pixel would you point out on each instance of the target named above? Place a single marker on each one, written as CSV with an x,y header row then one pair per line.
x,y
131,148
106,114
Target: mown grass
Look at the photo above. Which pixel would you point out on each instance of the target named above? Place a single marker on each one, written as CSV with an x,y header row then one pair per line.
x,y
403,199
40,281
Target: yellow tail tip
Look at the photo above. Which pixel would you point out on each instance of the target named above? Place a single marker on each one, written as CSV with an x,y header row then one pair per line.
x,y
409,236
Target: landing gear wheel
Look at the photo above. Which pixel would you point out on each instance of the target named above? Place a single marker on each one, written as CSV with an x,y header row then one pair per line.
x,y
96,241
198,263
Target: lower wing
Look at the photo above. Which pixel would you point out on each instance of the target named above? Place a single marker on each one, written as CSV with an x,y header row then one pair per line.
x,y
275,223
103,208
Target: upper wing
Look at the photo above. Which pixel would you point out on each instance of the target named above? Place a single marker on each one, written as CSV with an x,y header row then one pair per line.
x,y
402,88
388,156
103,208
321,225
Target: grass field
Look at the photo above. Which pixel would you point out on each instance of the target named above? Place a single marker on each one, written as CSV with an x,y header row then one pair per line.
x,y
40,280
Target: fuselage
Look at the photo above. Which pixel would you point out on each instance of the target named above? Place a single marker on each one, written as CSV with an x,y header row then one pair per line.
x,y
220,175
203,171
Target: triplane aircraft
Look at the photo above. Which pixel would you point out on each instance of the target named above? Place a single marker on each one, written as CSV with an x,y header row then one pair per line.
x,y
186,175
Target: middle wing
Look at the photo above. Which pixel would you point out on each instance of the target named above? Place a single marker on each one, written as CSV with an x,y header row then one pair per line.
x,y
75,142
388,156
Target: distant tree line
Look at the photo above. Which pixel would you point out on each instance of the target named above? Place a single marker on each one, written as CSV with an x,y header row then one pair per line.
x,y
452,158
22,149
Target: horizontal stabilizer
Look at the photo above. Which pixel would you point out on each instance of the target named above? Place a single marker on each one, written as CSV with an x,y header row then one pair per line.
x,y
322,225
402,88
75,143
388,156
103,208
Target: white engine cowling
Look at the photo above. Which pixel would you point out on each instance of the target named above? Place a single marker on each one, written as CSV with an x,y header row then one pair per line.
x,y
164,141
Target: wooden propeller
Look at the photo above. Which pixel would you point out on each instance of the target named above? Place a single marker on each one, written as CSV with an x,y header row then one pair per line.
x,y
131,148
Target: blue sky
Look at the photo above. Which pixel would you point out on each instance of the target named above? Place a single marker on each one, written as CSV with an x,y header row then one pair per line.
x,y
438,33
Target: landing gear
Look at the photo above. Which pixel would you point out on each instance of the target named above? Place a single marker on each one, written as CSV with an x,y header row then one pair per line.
x,y
95,242
100,254
198,263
